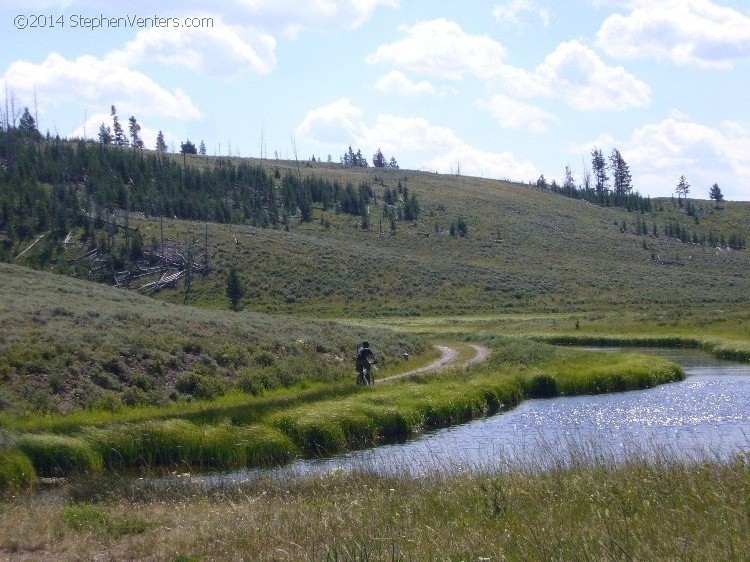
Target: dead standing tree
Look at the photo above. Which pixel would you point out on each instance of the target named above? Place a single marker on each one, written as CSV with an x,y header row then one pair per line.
x,y
162,265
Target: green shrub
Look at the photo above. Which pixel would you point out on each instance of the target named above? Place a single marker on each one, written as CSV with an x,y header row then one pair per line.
x,y
134,396
264,358
107,401
6,399
56,382
16,470
57,455
142,381
200,386
256,381
115,367
104,380
251,383
231,356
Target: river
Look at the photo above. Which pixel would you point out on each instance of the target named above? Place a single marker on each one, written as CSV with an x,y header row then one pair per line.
x,y
706,415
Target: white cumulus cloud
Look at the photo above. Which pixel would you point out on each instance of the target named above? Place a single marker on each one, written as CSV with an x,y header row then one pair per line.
x,y
441,48
514,114
409,133
341,124
396,82
510,11
472,161
685,32
220,49
580,77
337,123
99,82
573,72
292,16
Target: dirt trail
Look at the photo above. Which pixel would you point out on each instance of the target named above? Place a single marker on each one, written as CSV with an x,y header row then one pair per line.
x,y
448,358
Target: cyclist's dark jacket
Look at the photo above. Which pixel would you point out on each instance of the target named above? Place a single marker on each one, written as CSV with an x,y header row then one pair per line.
x,y
362,354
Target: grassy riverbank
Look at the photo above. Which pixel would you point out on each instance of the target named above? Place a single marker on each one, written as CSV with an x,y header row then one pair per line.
x,y
597,510
246,430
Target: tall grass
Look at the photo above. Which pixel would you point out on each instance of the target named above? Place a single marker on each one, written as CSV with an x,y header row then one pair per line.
x,y
58,455
180,443
16,470
585,507
623,372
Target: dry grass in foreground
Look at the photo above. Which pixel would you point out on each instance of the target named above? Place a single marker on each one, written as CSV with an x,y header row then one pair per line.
x,y
642,510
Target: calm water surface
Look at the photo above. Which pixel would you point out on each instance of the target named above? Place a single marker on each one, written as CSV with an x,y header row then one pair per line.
x,y
706,414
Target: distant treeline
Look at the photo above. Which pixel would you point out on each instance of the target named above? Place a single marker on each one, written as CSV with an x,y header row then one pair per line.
x,y
55,185
632,201
597,192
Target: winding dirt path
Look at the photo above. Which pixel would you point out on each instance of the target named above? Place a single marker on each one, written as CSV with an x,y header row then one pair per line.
x,y
448,358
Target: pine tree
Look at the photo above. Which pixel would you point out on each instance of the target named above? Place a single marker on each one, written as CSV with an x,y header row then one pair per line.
x,y
599,166
620,175
202,149
715,194
569,184
378,160
305,207
135,132
683,188
27,123
105,134
235,290
360,160
188,147
119,137
459,227
348,158
411,208
161,145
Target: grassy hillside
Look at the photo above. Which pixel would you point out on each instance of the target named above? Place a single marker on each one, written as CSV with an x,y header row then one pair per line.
x,y
526,249
578,268
68,344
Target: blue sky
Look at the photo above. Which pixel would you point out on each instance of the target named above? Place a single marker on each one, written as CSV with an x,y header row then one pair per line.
x,y
503,89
